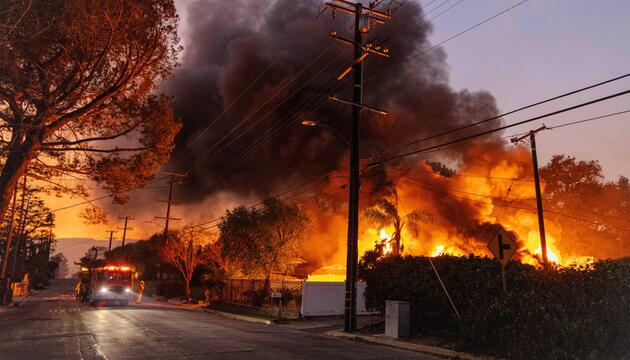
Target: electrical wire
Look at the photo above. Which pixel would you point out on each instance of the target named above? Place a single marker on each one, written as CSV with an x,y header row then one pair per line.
x,y
588,120
102,197
251,85
496,117
486,132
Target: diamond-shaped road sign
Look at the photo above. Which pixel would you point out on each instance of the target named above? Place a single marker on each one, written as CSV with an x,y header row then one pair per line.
x,y
502,246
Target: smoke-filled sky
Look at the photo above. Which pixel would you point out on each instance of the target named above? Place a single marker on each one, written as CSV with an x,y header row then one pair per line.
x,y
537,50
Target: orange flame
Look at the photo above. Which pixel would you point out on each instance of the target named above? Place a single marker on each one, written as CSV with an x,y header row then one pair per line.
x,y
387,241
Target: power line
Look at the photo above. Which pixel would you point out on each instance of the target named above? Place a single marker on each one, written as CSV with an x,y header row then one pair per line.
x,y
496,117
463,191
589,119
446,10
517,207
101,197
424,52
251,85
455,141
280,128
437,7
273,109
433,172
466,30
278,195
209,152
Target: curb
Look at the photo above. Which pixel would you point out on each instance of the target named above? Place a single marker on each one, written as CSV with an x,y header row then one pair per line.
x,y
15,304
239,317
426,349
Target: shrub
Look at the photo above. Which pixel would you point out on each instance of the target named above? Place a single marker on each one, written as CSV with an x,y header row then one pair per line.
x,y
565,313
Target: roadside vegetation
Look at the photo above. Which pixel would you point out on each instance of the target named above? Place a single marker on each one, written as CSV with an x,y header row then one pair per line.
x,y
564,313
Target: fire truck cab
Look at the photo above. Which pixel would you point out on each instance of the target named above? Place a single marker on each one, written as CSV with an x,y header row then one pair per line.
x,y
109,283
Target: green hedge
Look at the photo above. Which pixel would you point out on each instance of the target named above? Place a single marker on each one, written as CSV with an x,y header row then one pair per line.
x,y
556,314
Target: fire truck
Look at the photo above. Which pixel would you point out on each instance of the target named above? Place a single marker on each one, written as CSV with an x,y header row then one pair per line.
x,y
111,283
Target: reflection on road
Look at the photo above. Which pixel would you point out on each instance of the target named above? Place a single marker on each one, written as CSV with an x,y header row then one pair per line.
x,y
53,325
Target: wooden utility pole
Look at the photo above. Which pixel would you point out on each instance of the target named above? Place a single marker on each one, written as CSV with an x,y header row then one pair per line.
x,y
539,203
125,228
50,239
174,179
111,236
364,18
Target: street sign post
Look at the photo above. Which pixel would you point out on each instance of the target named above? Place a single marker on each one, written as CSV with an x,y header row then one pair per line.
x,y
503,246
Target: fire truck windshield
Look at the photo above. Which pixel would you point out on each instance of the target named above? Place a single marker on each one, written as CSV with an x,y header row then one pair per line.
x,y
114,276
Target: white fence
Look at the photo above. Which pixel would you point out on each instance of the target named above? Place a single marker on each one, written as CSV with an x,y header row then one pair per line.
x,y
327,298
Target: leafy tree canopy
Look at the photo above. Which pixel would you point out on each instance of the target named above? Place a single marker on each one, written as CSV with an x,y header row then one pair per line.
x,y
263,239
76,82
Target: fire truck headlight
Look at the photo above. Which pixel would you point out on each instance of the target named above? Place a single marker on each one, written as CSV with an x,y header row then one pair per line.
x,y
127,290
103,289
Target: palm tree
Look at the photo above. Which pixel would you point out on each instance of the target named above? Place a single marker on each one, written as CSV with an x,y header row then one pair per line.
x,y
385,212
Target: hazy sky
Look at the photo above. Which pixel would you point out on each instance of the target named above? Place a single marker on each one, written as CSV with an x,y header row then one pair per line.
x,y
544,48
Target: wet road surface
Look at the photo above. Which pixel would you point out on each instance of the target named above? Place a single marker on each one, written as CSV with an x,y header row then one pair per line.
x,y
52,325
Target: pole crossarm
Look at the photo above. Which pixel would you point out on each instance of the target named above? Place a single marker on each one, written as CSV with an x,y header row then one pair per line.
x,y
386,15
516,140
362,106
372,14
368,48
164,218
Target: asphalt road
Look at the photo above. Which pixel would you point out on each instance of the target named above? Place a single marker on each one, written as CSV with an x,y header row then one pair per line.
x,y
52,325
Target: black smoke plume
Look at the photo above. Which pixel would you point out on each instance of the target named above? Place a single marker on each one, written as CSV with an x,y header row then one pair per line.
x,y
232,42
242,130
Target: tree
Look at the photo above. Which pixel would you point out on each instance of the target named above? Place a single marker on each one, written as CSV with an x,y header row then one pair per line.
x,y
76,82
184,249
384,212
93,257
265,239
593,213
61,267
144,255
30,231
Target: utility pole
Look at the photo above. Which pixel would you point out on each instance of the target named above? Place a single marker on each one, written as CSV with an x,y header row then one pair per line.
x,y
174,179
364,18
51,223
50,239
125,228
539,203
111,236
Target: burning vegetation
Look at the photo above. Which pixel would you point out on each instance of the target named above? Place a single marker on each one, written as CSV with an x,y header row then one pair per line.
x,y
464,208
